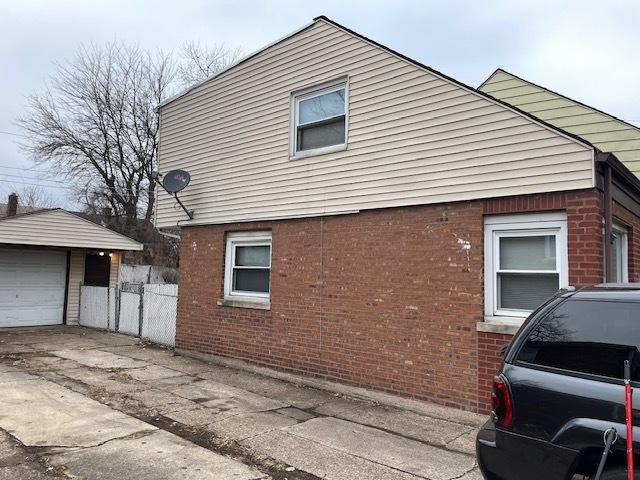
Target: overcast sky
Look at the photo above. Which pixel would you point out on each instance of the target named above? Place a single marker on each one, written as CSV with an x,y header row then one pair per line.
x,y
585,49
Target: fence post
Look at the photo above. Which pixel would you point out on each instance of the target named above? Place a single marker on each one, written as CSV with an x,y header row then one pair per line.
x,y
140,311
116,320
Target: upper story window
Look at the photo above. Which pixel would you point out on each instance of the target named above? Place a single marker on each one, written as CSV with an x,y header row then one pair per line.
x,y
319,120
525,262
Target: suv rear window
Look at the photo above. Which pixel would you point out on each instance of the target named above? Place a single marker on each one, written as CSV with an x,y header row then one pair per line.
x,y
584,336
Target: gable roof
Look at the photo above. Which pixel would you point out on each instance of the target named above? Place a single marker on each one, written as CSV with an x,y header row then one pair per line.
x,y
431,70
605,131
59,228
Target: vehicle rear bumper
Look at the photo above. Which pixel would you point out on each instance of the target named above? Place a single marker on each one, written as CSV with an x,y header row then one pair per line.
x,y
505,455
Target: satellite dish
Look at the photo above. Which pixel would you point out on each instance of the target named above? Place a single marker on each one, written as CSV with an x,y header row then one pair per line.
x,y
173,182
176,180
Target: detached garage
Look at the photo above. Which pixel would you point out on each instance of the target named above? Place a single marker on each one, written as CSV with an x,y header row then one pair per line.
x,y
45,257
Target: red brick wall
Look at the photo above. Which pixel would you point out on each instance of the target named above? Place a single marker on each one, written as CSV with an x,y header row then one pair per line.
x,y
385,299
489,362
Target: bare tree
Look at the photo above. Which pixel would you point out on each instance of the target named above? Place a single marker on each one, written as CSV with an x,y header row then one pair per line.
x,y
200,61
36,196
96,124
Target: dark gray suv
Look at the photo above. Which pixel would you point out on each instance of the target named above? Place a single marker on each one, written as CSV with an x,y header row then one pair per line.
x,y
561,387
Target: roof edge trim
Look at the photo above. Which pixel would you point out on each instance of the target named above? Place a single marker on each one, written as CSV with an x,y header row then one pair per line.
x,y
233,65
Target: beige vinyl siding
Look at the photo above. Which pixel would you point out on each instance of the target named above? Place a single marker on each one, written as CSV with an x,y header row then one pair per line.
x,y
76,279
115,269
602,130
413,138
60,228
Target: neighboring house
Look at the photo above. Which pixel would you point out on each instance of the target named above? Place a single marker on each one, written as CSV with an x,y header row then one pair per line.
x,y
363,218
45,256
608,133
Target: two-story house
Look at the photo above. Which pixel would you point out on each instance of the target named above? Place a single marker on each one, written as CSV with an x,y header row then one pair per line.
x,y
363,218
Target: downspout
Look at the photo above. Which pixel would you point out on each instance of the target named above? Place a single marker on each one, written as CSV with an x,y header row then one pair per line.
x,y
608,224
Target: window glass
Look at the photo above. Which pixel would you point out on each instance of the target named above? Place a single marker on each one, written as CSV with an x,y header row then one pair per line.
x,y
593,337
251,280
528,252
252,256
616,254
321,107
619,255
319,136
525,291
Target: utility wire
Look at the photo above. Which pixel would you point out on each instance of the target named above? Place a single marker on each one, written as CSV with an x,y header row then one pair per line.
x,y
24,168
126,195
4,132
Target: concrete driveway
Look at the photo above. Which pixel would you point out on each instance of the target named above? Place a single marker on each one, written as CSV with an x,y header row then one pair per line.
x,y
79,403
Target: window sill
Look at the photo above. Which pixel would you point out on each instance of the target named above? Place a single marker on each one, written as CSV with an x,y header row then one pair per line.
x,y
318,151
501,325
243,303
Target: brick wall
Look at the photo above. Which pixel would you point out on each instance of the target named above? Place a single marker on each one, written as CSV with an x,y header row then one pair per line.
x,y
489,362
385,299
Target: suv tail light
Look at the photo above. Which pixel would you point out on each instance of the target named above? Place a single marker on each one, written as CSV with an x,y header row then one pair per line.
x,y
501,402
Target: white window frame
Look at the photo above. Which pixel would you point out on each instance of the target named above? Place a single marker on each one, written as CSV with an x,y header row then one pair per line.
x,y
499,226
245,239
297,97
623,232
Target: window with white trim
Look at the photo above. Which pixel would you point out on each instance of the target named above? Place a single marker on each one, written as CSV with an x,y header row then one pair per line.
x,y
319,120
619,254
248,266
525,262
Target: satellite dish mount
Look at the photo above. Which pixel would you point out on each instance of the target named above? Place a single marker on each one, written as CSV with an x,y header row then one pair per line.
x,y
174,182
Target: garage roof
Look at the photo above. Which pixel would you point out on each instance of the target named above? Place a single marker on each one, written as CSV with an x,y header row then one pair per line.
x,y
58,228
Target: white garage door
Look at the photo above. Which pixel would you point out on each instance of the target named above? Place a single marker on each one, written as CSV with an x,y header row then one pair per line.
x,y
32,286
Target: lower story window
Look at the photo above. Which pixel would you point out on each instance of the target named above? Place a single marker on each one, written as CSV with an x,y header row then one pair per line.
x,y
525,262
248,265
619,253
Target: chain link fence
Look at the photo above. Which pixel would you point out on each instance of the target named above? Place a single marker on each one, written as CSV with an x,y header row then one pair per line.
x,y
159,313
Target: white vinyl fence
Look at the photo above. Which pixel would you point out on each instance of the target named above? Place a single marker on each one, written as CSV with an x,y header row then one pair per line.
x,y
148,311
95,307
130,315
